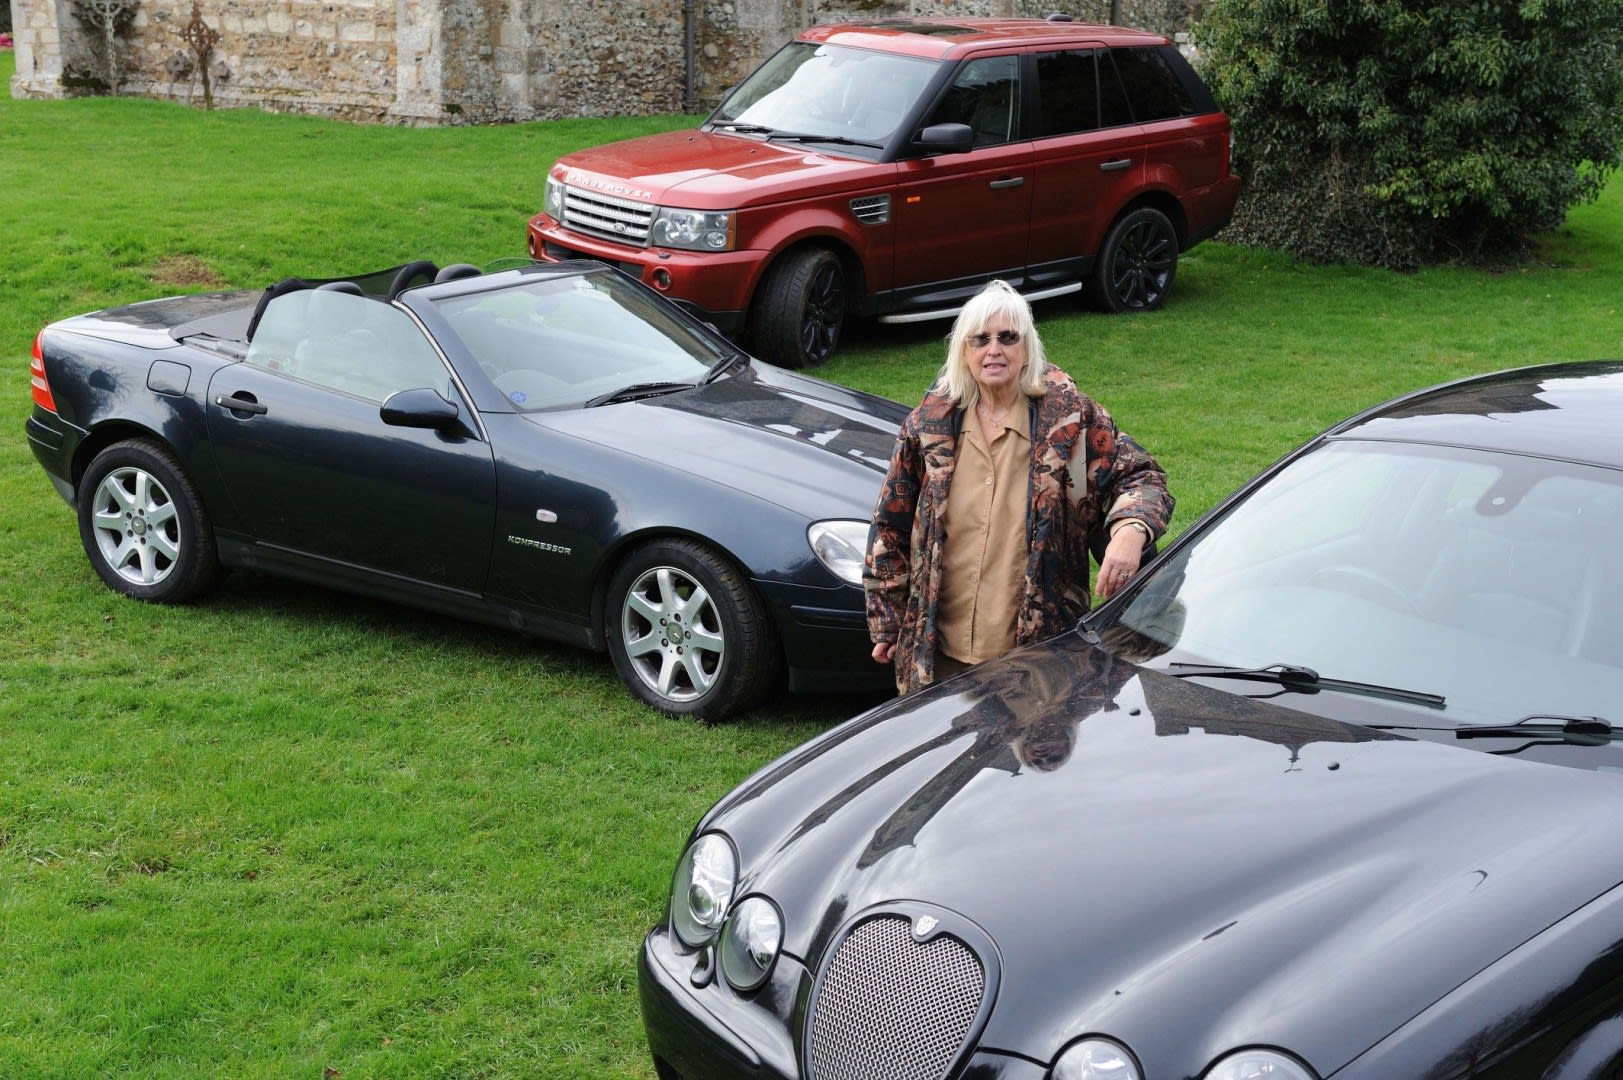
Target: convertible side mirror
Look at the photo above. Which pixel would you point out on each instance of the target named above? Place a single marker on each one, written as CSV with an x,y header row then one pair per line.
x,y
945,139
421,408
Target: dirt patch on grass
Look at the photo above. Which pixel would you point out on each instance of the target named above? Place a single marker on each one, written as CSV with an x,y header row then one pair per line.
x,y
183,270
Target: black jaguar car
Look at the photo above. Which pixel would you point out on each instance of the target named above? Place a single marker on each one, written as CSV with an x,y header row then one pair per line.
x,y
1334,789
552,448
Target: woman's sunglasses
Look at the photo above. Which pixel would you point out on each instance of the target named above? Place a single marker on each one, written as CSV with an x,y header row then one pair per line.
x,y
1005,338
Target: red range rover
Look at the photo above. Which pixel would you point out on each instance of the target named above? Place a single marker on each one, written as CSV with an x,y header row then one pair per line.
x,y
891,168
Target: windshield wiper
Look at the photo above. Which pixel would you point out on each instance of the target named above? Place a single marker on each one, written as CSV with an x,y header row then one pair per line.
x,y
745,128
1304,680
637,390
1576,730
838,140
720,368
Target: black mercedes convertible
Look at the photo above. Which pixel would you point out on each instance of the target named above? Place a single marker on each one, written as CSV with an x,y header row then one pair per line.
x,y
553,448
1333,790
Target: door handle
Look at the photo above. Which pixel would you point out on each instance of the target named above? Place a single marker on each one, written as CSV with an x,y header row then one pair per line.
x,y
1116,166
245,404
1008,182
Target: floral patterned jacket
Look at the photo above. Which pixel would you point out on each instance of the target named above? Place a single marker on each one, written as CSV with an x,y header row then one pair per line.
x,y
1069,499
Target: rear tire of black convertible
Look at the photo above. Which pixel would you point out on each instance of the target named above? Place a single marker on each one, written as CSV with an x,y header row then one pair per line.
x,y
144,527
799,310
687,633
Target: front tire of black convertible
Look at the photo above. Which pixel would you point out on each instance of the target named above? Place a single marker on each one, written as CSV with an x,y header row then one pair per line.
x,y
687,633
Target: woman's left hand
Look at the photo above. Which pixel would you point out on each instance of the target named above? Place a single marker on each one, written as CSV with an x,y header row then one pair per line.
x,y
1122,556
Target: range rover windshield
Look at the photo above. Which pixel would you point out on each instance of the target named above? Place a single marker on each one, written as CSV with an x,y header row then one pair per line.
x,y
1491,581
826,92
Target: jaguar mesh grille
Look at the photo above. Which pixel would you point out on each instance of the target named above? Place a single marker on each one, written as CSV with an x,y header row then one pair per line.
x,y
891,1008
604,215
872,209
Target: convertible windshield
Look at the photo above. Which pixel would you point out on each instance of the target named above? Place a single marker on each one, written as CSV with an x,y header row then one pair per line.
x,y
1490,580
827,91
562,342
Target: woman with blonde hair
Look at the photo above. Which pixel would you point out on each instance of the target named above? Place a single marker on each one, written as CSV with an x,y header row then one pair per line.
x,y
999,480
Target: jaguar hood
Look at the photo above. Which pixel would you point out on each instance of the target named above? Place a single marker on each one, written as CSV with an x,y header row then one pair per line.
x,y
1177,867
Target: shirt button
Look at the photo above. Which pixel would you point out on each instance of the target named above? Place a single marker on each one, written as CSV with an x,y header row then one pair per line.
x,y
988,481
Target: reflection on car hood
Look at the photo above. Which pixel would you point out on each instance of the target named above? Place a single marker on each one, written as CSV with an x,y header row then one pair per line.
x,y
709,170
1146,850
799,442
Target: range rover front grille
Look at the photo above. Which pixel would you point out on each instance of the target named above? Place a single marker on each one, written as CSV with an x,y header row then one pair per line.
x,y
892,1008
625,220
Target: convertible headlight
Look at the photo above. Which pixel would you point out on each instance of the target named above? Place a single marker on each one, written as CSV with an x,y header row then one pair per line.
x,y
1096,1059
553,199
703,889
839,545
692,230
750,942
1260,1065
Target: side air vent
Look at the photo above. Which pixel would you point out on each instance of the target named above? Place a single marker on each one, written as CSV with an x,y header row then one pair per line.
x,y
872,209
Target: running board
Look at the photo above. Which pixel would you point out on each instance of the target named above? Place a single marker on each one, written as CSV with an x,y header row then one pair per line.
x,y
948,313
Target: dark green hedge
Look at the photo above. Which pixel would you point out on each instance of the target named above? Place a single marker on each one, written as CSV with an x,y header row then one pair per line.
x,y
1405,132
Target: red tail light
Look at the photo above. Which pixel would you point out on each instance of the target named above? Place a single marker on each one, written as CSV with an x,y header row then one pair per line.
x,y
42,389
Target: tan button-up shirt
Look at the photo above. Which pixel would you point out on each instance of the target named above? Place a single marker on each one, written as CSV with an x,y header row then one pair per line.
x,y
983,563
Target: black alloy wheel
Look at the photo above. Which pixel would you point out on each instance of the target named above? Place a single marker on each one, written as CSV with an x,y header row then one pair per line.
x,y
798,314
1137,264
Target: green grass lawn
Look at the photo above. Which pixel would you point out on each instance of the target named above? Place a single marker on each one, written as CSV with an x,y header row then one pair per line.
x,y
282,831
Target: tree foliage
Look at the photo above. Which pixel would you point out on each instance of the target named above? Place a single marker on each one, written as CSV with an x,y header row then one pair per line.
x,y
1403,132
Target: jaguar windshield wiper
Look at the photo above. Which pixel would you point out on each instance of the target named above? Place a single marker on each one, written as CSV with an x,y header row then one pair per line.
x,y
721,367
744,127
1576,730
1304,680
636,391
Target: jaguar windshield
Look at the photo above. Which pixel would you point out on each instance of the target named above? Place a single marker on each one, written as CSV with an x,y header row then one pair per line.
x,y
1490,581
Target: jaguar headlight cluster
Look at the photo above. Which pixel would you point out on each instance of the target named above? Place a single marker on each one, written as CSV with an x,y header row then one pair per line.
x,y
840,545
746,936
1260,1065
1096,1059
750,940
1104,1059
692,230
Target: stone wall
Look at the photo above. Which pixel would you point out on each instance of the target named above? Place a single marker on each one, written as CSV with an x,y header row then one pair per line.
x,y
461,61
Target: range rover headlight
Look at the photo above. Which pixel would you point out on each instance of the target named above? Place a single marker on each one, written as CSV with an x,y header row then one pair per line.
x,y
1096,1059
692,230
1260,1065
840,545
750,942
553,198
703,889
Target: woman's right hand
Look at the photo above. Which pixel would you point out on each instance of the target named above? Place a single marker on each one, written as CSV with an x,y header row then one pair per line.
x,y
883,651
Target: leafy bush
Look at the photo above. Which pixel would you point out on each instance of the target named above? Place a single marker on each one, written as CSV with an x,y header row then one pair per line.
x,y
1403,132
